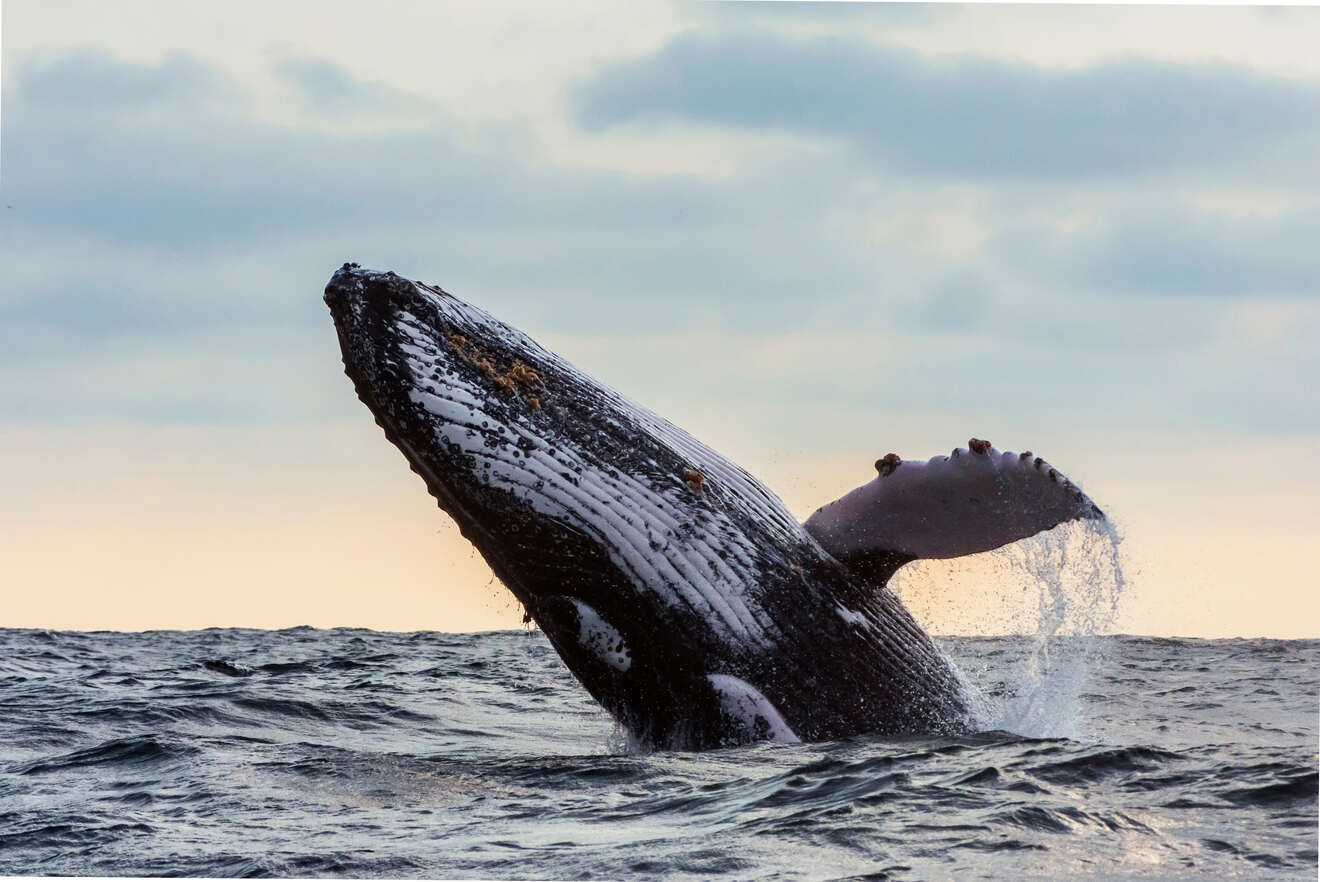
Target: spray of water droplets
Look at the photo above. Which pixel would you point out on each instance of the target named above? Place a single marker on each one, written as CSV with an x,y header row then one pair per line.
x,y
1077,577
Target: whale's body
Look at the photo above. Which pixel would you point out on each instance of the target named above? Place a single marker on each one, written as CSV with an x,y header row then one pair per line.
x,y
679,590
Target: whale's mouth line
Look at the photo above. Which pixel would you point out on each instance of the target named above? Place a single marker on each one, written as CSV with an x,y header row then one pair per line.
x,y
469,524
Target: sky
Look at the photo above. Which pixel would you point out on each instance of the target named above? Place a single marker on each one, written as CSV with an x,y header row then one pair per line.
x,y
810,234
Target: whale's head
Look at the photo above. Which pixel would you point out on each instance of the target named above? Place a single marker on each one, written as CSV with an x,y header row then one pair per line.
x,y
467,399
639,552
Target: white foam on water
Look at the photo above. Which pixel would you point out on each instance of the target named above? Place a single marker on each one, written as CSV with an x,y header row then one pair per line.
x,y
1076,573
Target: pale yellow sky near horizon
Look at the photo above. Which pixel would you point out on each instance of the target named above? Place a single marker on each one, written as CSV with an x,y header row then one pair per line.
x,y
123,527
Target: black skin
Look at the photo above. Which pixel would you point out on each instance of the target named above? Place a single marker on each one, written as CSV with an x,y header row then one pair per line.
x,y
827,677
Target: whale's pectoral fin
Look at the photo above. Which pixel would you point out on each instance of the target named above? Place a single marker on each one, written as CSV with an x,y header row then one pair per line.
x,y
973,500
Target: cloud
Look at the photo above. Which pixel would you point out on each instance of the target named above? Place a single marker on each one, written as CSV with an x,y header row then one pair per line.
x,y
328,88
165,261
969,116
87,80
201,181
199,176
195,174
1197,255
1152,248
958,303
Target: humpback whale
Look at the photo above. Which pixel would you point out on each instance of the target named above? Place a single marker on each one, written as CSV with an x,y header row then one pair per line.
x,y
678,589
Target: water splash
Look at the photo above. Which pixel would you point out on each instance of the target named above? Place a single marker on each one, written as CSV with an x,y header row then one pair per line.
x,y
1076,573
622,742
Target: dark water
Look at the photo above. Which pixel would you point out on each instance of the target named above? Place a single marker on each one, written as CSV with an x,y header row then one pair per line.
x,y
328,753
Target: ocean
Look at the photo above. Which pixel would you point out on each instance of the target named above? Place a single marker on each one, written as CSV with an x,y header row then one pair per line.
x,y
304,752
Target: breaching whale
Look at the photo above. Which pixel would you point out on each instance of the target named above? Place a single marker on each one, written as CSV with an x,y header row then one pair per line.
x,y
678,590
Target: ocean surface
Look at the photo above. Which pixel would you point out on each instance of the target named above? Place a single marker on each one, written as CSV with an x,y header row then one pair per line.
x,y
308,752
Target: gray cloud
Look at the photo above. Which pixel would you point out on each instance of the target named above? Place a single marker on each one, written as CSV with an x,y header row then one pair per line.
x,y
329,89
972,116
958,303
165,257
203,175
1150,248
88,80
203,179
1197,255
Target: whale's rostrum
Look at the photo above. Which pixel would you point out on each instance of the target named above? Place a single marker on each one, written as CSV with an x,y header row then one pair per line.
x,y
678,589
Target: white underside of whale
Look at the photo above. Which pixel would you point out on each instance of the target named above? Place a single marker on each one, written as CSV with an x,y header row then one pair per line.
x,y
745,703
600,638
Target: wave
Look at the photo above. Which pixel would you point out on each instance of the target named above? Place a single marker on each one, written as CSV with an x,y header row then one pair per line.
x,y
350,753
139,752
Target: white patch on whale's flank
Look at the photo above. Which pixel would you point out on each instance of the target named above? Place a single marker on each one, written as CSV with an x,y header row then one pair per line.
x,y
640,526
744,702
851,616
602,638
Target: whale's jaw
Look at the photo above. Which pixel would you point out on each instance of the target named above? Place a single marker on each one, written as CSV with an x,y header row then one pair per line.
x,y
678,590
